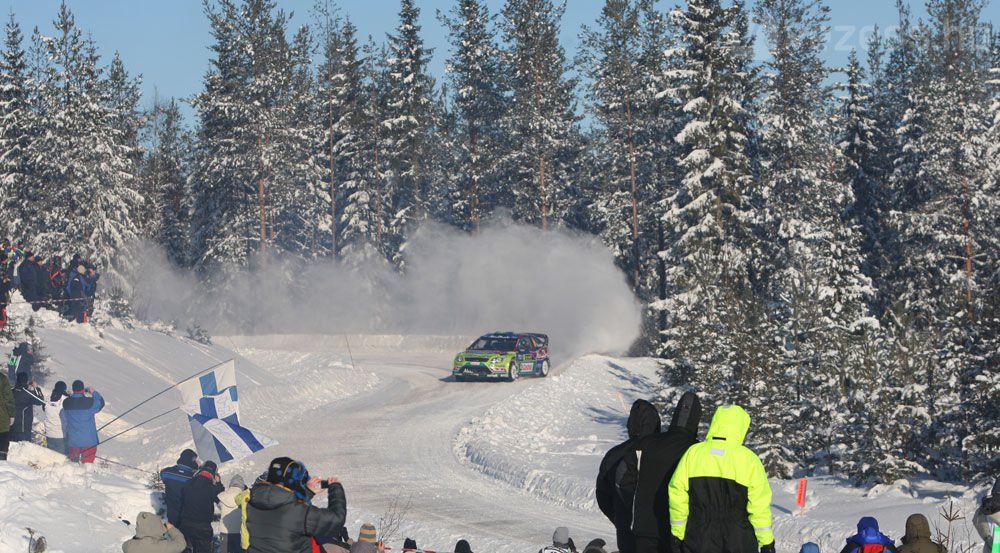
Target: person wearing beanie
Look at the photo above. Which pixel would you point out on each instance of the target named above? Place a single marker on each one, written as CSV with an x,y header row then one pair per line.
x,y
719,496
616,478
463,547
26,396
809,547
76,292
869,539
918,537
366,540
152,536
198,499
410,544
280,516
79,425
54,438
987,517
661,452
6,415
173,479
560,542
596,546
232,515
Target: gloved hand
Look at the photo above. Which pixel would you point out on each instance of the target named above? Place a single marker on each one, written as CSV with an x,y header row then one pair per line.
x,y
769,548
676,545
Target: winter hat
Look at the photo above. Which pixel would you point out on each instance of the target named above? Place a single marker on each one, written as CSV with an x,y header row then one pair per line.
x,y
462,547
209,467
291,474
237,482
561,536
409,543
595,545
188,458
78,386
867,522
809,547
367,533
81,269
58,391
687,414
22,379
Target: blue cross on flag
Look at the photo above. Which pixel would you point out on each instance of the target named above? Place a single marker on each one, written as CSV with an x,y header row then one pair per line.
x,y
212,405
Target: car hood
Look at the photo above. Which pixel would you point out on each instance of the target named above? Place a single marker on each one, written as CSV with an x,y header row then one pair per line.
x,y
488,351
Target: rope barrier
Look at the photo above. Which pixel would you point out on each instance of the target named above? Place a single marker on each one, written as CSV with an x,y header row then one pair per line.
x,y
133,427
26,302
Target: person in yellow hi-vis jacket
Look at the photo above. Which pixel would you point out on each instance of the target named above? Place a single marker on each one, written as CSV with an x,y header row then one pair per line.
x,y
720,499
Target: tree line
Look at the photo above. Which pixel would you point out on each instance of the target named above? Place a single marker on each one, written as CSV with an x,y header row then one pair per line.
x,y
818,244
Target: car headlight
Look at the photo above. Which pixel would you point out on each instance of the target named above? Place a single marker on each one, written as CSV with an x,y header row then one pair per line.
x,y
459,359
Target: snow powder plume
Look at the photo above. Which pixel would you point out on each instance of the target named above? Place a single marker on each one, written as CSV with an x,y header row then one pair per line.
x,y
509,277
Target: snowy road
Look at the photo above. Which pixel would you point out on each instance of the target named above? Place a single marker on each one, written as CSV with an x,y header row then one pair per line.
x,y
394,443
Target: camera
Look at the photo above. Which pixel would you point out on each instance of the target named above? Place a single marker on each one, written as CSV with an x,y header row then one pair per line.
x,y
324,485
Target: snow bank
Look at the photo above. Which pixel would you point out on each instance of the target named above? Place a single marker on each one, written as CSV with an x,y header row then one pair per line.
x,y
75,507
549,439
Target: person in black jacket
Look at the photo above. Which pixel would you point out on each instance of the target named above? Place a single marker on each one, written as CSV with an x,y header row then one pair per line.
x,y
76,295
280,518
616,482
659,456
22,360
26,397
198,499
174,478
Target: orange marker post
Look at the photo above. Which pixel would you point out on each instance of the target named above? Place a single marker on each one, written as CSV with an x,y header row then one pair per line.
x,y
800,499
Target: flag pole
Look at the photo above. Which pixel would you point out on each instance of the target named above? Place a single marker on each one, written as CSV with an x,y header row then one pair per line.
x,y
160,393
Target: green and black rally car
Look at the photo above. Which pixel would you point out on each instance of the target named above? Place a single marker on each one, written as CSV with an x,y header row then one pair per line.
x,y
503,355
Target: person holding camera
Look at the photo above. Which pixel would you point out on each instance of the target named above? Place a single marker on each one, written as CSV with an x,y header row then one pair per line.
x,y
280,516
198,499
78,422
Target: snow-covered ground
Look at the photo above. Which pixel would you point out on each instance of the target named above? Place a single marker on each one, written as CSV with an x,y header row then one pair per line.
x,y
500,464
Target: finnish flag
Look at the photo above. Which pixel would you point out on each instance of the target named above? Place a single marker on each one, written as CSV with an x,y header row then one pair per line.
x,y
211,402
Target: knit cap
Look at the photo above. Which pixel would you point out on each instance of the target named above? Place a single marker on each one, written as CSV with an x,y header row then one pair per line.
x,y
367,533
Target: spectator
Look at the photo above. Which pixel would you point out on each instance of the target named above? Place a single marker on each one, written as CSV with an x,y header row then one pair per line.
x,y
281,519
809,547
76,295
918,537
174,479
198,499
463,547
726,484
90,290
152,536
56,281
366,540
5,287
596,546
987,517
340,543
22,360
6,415
661,452
26,397
54,437
79,425
868,539
560,540
28,278
410,544
617,475
232,515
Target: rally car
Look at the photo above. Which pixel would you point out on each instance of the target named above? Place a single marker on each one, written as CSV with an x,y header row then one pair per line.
x,y
503,355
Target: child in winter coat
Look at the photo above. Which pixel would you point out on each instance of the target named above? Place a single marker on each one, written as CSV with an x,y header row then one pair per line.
x,y
54,437
152,536
232,515
869,539
987,517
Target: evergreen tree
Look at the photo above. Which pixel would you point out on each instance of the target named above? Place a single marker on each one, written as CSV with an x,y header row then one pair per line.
x,y
166,171
541,123
18,195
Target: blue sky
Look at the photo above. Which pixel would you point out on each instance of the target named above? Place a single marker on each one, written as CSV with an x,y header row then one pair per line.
x,y
167,40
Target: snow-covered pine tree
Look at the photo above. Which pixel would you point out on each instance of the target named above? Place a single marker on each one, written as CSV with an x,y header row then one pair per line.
x,y
407,127
165,173
475,73
18,197
713,340
819,287
541,123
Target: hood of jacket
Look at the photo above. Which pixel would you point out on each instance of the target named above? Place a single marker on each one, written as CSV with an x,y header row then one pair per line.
x,y
267,497
730,423
148,525
917,527
809,547
643,419
868,533
687,414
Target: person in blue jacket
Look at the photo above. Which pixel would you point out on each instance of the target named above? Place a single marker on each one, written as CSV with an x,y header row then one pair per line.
x,y
869,539
79,425
174,479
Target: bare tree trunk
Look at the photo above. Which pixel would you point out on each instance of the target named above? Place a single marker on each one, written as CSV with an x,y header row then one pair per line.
x,y
260,197
378,191
544,202
967,225
635,199
474,190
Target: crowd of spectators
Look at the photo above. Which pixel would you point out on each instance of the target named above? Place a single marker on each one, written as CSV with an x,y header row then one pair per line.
x,y
68,288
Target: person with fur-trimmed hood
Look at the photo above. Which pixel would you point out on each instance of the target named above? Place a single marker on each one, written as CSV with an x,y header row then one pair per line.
x,y
153,536
617,475
987,517
918,537
198,499
173,479
280,518
720,499
657,458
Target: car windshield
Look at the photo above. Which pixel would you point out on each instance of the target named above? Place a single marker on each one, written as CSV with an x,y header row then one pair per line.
x,y
494,344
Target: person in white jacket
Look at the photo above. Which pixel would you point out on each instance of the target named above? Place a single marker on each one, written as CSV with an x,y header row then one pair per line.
x,y
54,438
232,516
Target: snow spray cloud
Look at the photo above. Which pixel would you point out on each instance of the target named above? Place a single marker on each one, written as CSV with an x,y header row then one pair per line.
x,y
509,277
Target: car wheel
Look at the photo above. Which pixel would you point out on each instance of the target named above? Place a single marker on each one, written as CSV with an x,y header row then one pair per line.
x,y
545,369
513,371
